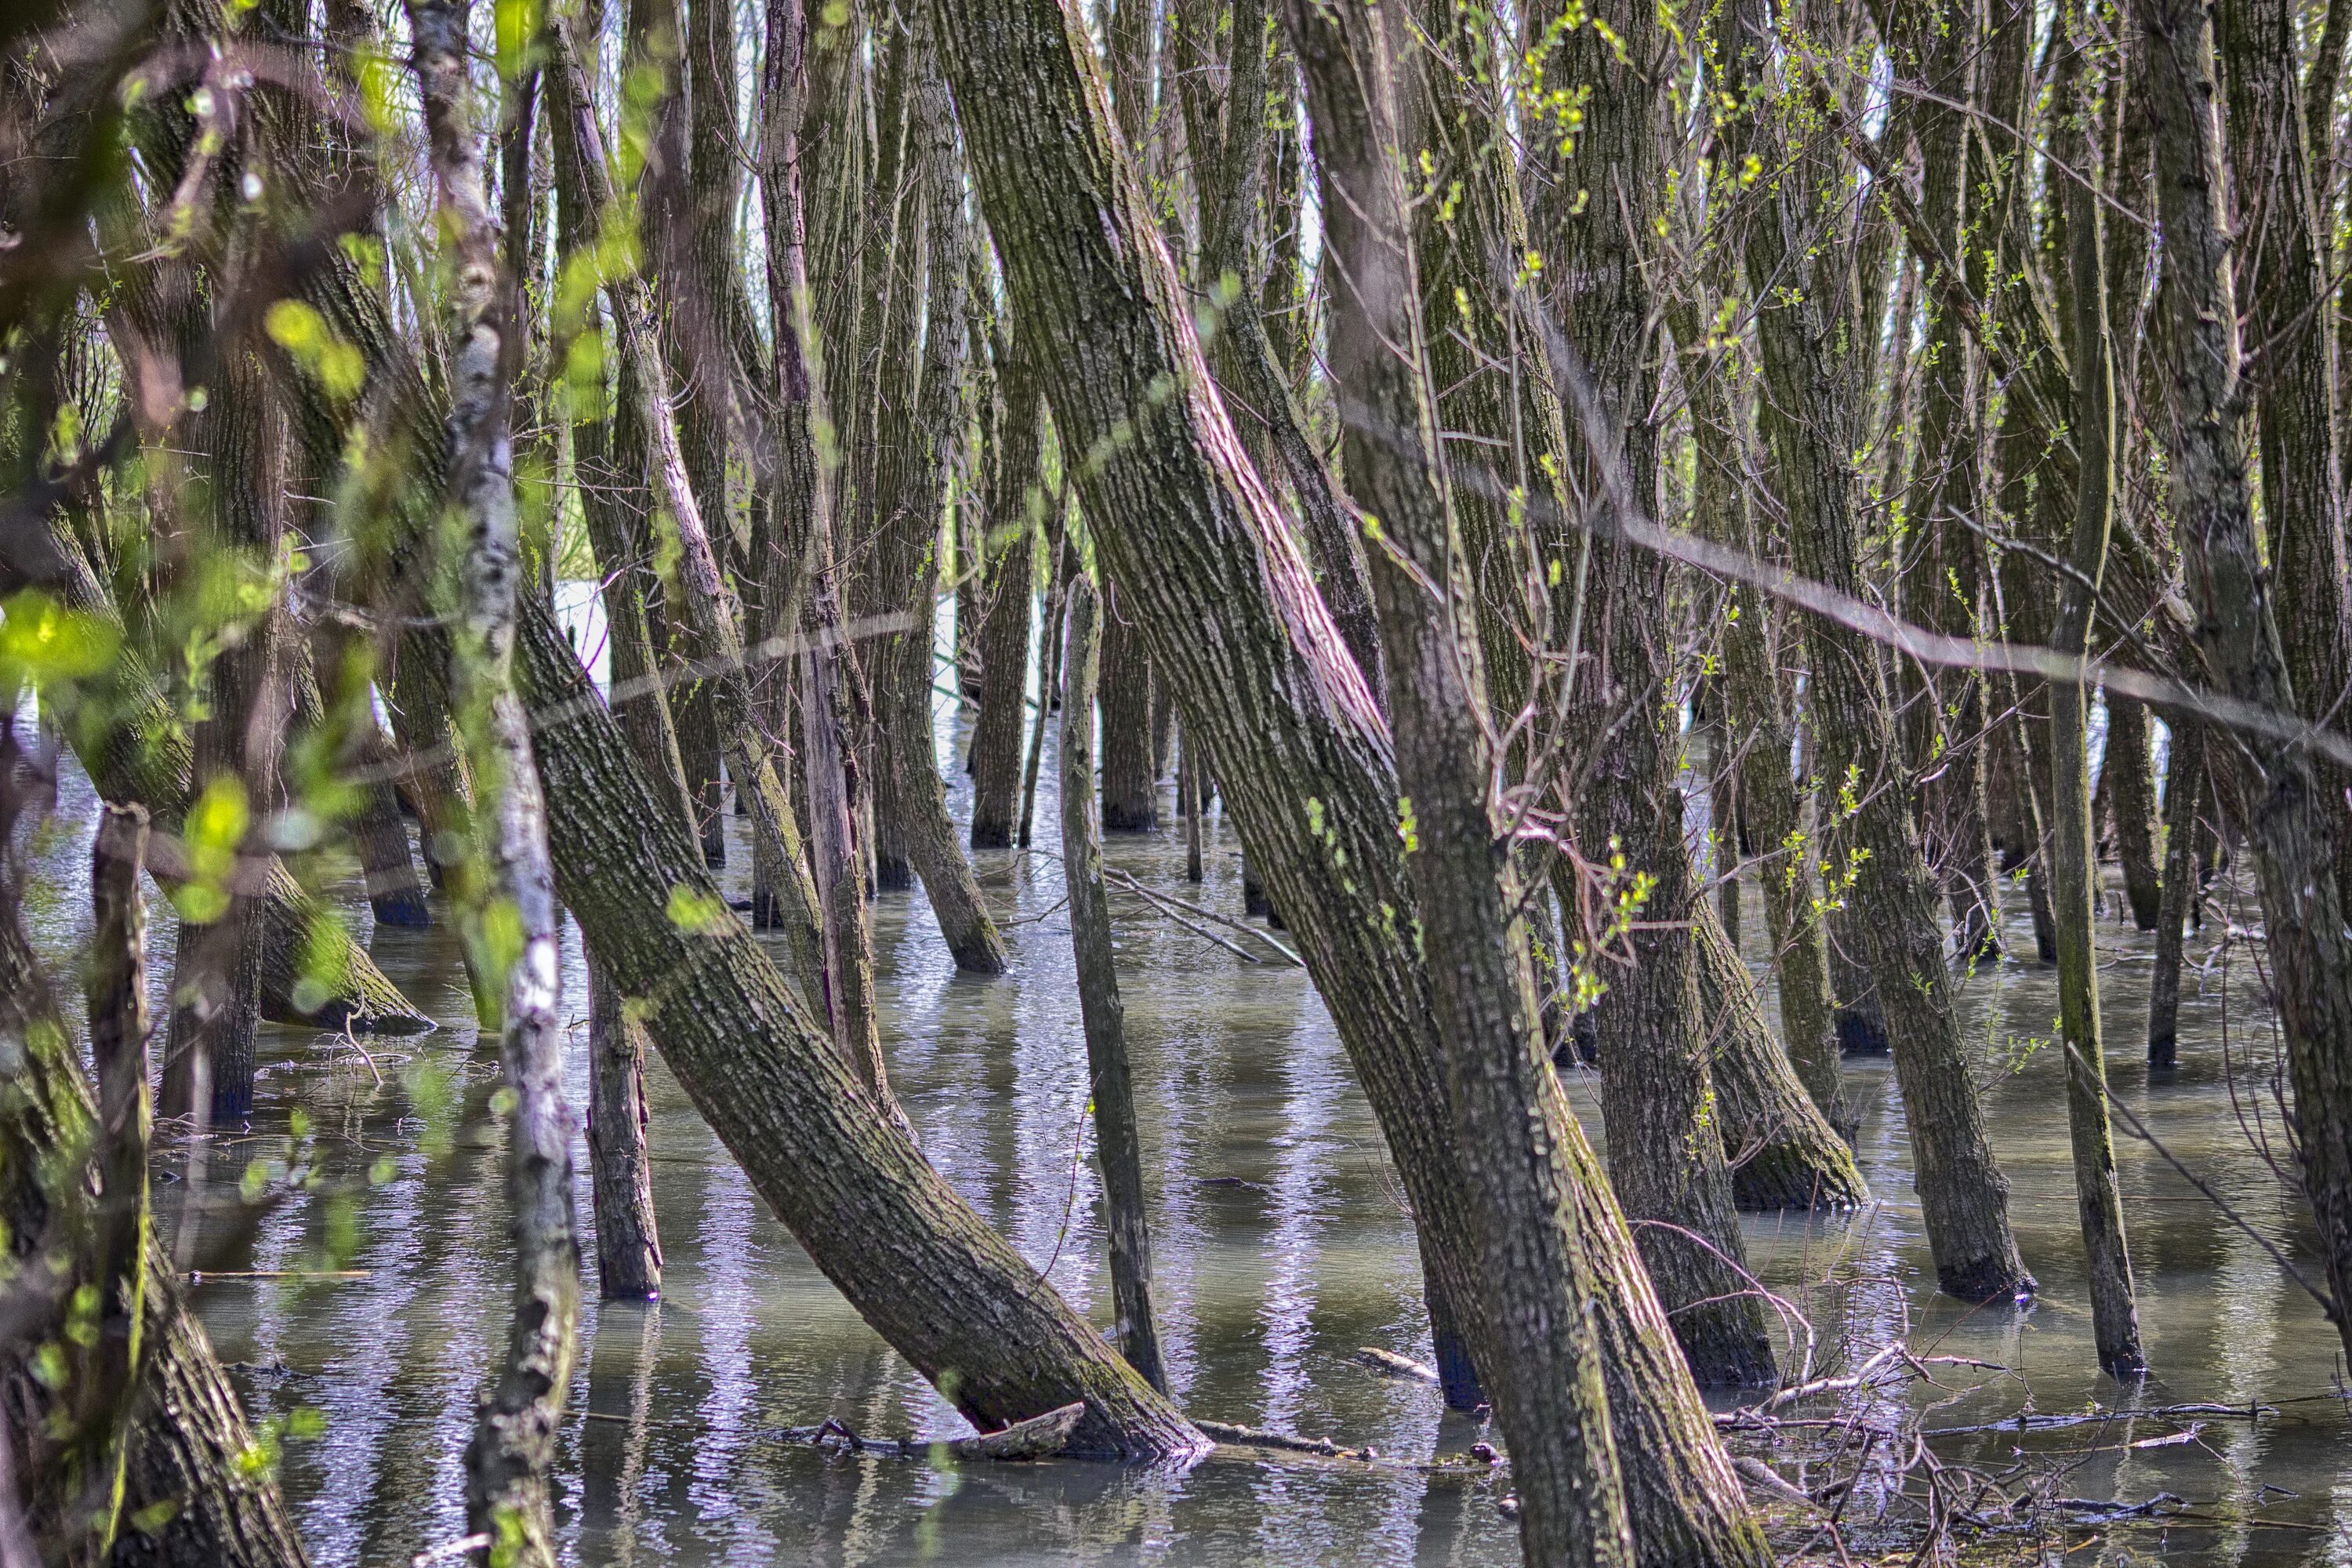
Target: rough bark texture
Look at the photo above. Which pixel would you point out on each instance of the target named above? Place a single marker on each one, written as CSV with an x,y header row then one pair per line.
x,y
620,1166
913,492
2127,777
1945,733
1131,800
2186,795
1194,541
1595,211
948,1292
121,1239
1963,1195
708,612
216,976
2074,854
2287,815
2286,290
1541,1362
508,891
1110,1083
1013,507
1783,1150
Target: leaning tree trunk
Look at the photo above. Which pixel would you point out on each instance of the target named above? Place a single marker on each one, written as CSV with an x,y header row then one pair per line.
x,y
1963,1195
1194,540
1783,1152
708,610
2288,816
1541,1370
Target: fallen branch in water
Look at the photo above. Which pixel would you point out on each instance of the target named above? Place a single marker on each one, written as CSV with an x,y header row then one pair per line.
x,y
1039,1437
1170,906
2026,1421
1390,1364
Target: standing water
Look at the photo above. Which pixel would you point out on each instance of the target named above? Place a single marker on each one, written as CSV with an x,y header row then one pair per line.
x,y
353,1261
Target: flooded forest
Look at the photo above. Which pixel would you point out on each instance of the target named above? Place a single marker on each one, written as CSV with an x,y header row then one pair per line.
x,y
1390,782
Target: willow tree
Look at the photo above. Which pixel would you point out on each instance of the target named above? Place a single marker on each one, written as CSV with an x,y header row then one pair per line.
x,y
1804,338
1193,540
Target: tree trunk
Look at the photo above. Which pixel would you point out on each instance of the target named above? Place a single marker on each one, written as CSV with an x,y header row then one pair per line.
x,y
628,1241
948,1293
2186,795
914,486
1964,1197
1594,210
1194,542
708,611
1548,1392
1783,1150
2130,774
2288,819
508,893
1131,800
1051,654
2286,289
1014,503
2074,858
1945,734
1112,1088
122,1238
208,1063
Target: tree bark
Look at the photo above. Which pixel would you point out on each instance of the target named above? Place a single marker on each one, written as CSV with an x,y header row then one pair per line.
x,y
1194,541
2283,282
913,490
1014,503
914,1259
801,581
507,894
2288,819
1131,800
186,1433
1784,1152
2129,773
2186,795
1595,210
1112,1088
1548,1390
628,1239
1964,1197
123,1238
709,610
2074,856
1946,734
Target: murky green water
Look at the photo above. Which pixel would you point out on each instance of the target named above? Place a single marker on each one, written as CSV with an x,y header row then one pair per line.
x,y
1281,1248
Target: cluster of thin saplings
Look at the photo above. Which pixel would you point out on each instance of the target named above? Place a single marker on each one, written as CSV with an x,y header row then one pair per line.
x,y
1442,437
